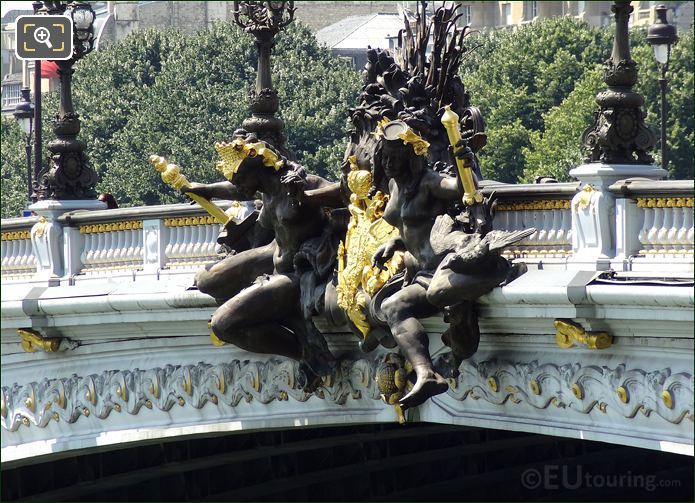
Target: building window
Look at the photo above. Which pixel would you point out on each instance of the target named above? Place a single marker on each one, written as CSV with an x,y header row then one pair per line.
x,y
466,15
534,10
507,13
581,7
10,95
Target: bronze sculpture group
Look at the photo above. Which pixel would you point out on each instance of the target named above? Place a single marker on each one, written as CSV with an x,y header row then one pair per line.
x,y
405,234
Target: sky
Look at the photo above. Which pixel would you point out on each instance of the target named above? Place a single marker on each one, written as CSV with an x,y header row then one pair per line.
x,y
8,6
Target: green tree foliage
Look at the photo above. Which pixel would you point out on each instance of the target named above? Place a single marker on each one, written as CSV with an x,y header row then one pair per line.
x,y
556,148
519,75
200,97
173,94
14,195
502,157
160,91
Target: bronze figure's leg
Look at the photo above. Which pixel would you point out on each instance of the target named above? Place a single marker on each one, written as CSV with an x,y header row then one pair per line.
x,y
459,291
402,311
314,349
252,319
463,334
226,278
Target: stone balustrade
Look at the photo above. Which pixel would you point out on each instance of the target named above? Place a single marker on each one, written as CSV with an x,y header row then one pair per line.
x,y
105,343
151,239
545,207
191,241
18,260
115,246
654,222
652,227
177,237
668,225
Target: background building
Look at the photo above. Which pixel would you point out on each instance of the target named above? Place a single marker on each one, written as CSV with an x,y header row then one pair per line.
x,y
482,14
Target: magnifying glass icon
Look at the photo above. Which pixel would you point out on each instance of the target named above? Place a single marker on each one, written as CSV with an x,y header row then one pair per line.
x,y
43,36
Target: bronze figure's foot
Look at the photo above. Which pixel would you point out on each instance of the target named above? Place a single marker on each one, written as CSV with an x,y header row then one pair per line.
x,y
447,365
463,334
463,343
515,271
322,363
308,380
425,388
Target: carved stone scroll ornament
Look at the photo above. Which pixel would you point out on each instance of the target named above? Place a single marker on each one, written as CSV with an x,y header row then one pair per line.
x,y
577,388
99,395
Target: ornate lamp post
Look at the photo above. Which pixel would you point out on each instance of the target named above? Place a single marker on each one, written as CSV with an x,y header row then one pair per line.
x,y
69,176
619,134
264,20
24,113
619,144
662,36
38,125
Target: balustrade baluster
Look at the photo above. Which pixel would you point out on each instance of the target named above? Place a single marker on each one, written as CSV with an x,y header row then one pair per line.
x,y
12,258
551,238
193,236
688,224
676,223
24,253
171,242
139,240
108,243
648,223
118,252
667,222
197,235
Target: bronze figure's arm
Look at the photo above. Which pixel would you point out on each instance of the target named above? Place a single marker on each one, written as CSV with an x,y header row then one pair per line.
x,y
220,190
386,251
445,188
328,195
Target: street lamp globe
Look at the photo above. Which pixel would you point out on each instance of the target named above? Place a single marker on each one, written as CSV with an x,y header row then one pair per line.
x,y
83,20
661,35
24,112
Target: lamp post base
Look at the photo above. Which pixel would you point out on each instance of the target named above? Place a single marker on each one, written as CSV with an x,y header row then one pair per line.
x,y
47,233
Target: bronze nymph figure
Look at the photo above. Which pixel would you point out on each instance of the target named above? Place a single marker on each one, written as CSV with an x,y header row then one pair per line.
x,y
249,283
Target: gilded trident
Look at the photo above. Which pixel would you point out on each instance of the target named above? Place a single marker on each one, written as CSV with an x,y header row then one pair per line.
x,y
471,194
171,175
264,20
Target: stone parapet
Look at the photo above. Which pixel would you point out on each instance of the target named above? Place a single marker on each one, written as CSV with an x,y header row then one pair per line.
x,y
645,225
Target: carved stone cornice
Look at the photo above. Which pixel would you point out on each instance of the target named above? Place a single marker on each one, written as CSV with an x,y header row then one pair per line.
x,y
98,395
574,387
578,388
